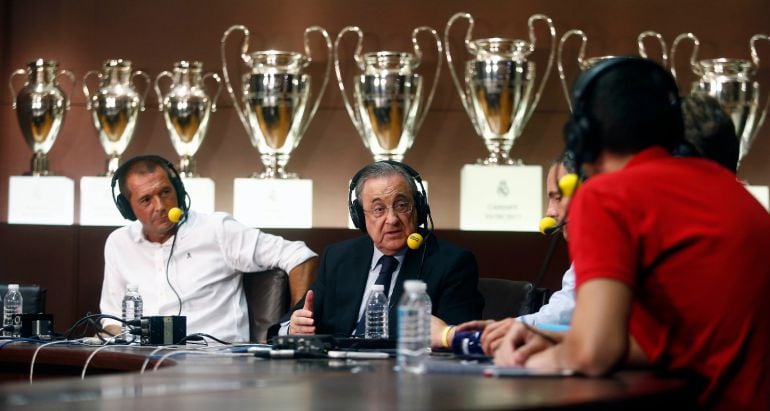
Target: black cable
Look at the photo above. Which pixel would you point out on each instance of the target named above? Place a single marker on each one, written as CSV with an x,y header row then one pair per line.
x,y
67,334
547,259
201,336
171,252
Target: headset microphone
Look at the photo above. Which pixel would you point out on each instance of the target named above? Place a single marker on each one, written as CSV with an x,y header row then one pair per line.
x,y
175,214
414,241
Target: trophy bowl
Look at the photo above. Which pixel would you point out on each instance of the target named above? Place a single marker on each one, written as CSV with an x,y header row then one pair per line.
x,y
497,93
586,63
388,105
115,106
186,109
40,107
731,82
274,97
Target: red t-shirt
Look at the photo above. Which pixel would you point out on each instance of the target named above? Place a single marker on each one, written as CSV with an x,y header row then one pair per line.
x,y
694,246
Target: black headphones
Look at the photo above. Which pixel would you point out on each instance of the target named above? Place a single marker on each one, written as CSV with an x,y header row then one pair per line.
x,y
356,210
581,134
122,203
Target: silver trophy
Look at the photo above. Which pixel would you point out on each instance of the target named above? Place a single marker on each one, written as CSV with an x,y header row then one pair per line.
x,y
40,108
497,93
730,81
586,63
274,96
115,106
388,105
186,109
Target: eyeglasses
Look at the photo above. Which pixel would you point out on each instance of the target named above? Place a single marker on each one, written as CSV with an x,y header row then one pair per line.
x,y
400,207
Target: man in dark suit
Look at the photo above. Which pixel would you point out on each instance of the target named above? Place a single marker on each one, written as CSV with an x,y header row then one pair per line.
x,y
388,207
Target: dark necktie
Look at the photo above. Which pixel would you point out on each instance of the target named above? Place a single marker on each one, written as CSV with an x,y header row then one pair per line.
x,y
388,265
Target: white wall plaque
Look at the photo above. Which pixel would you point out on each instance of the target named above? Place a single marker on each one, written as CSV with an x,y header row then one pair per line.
x,y
41,200
273,203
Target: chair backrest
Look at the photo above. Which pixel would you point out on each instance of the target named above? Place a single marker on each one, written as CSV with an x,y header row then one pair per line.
x,y
268,298
33,297
508,298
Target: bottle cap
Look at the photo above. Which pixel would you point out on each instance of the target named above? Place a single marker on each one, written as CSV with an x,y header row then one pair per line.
x,y
378,287
414,285
132,287
13,287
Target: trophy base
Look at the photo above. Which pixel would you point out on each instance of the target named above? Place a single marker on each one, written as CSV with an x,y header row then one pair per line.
x,y
273,203
188,167
113,163
41,200
97,207
275,168
391,157
202,193
501,198
39,164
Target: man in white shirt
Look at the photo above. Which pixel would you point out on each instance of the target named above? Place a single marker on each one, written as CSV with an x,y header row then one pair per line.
x,y
558,310
194,267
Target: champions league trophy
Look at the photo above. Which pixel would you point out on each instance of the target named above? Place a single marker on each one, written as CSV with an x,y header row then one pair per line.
x,y
498,94
115,106
730,81
389,104
498,84
186,110
586,63
274,107
40,197
40,108
274,98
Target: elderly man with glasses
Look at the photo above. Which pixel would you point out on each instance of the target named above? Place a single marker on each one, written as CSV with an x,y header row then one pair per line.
x,y
389,207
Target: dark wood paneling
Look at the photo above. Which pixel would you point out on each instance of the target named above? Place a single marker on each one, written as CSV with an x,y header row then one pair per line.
x,y
69,261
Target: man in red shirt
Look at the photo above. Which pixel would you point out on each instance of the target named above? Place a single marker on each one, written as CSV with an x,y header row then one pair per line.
x,y
672,255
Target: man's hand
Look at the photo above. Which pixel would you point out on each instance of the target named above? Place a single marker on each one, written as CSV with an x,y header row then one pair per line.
x,y
301,321
493,334
519,343
437,327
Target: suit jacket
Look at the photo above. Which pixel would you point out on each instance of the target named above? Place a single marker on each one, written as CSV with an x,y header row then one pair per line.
x,y
450,273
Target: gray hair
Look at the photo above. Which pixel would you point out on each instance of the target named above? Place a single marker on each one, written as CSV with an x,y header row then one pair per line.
x,y
382,169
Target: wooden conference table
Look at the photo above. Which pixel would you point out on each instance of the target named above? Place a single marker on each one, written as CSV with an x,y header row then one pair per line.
x,y
207,381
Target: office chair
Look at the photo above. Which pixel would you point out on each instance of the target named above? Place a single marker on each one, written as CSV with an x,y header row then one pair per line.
x,y
268,298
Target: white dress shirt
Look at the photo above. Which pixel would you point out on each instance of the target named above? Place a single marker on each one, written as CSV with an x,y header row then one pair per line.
x,y
560,306
210,255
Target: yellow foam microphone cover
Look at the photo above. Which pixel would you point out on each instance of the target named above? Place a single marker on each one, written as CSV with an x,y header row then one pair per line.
x,y
546,223
414,241
568,184
175,214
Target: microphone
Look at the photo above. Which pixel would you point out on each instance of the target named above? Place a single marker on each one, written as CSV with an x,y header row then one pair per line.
x,y
568,184
414,241
175,214
547,224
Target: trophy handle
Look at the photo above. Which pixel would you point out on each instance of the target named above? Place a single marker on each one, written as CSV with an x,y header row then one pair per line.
x,y
85,87
218,80
147,85
327,71
755,59
244,48
73,81
354,116
580,58
158,92
663,50
418,53
472,49
533,40
693,55
10,85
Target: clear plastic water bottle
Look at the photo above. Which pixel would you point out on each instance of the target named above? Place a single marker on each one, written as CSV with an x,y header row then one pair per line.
x,y
132,309
12,303
414,311
376,325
